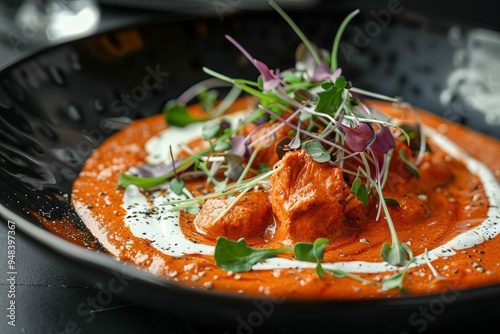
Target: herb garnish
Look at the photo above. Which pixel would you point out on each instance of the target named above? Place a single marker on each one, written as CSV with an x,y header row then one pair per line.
x,y
237,256
328,120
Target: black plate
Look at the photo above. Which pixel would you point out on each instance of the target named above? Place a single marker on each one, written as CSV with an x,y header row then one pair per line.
x,y
58,104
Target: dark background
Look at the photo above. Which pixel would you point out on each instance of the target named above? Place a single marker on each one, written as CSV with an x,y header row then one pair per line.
x,y
47,294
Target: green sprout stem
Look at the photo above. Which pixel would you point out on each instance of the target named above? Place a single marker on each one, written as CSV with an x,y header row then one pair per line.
x,y
297,30
249,163
374,95
229,190
336,41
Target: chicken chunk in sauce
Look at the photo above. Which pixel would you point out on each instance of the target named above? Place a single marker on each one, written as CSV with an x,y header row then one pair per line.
x,y
249,218
308,198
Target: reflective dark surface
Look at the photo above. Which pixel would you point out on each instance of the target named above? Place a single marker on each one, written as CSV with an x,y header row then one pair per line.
x,y
58,104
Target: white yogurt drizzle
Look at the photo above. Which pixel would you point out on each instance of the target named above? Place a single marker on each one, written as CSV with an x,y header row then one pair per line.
x,y
150,220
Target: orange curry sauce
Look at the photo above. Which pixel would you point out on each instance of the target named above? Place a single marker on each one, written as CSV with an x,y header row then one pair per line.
x,y
455,201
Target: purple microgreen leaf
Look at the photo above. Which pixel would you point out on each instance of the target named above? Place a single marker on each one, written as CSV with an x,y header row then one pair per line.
x,y
271,78
321,73
177,114
152,170
283,147
239,146
234,166
359,137
317,151
336,74
359,189
411,166
222,145
225,125
177,185
384,140
210,130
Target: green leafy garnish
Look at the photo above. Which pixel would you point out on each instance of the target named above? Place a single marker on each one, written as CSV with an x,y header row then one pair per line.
x,y
221,146
208,98
210,130
237,256
317,151
305,251
330,100
177,185
397,254
177,114
264,168
411,166
126,180
391,201
359,189
396,280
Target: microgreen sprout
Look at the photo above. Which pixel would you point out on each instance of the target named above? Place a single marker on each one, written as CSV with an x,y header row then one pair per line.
x,y
341,274
237,256
306,251
177,185
396,279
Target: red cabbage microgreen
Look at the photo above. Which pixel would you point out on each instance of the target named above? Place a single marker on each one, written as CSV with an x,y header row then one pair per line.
x,y
384,140
358,138
271,78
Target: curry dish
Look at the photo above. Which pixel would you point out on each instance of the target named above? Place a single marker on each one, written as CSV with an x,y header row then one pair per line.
x,y
444,202
307,187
